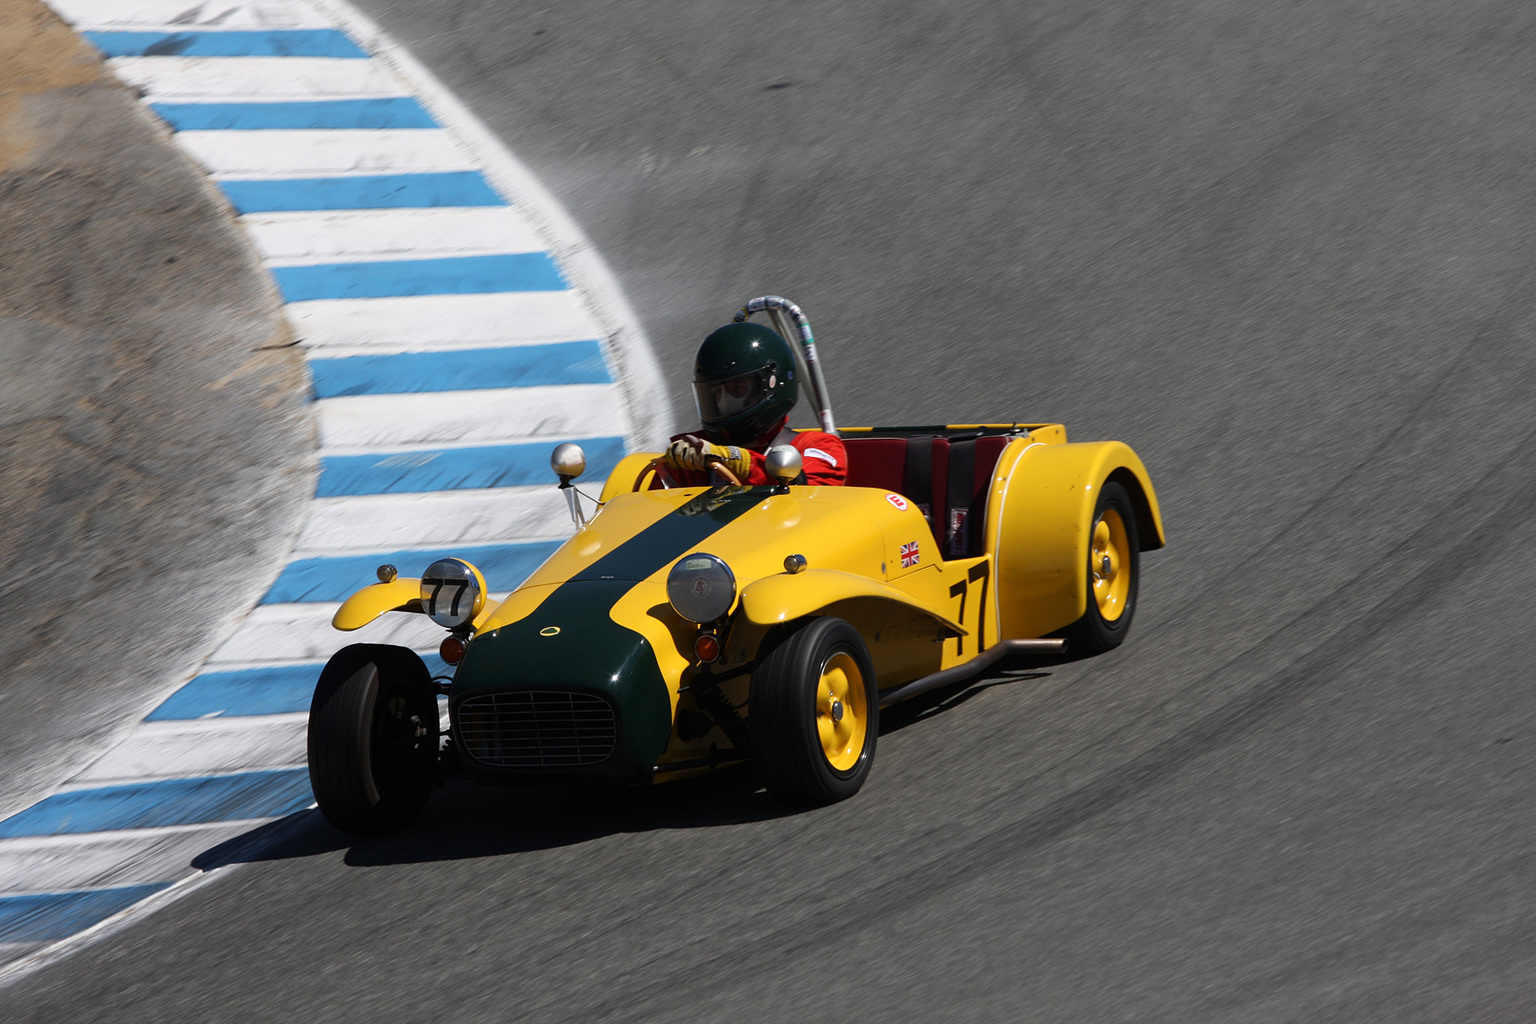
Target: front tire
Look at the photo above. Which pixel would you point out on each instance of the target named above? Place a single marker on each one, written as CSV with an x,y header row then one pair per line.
x,y
1113,575
373,738
815,714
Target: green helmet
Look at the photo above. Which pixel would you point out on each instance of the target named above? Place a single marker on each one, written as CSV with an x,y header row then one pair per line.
x,y
744,382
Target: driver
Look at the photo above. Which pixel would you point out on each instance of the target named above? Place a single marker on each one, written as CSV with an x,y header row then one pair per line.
x,y
744,386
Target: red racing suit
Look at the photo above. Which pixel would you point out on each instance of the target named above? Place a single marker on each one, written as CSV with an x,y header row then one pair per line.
x,y
824,457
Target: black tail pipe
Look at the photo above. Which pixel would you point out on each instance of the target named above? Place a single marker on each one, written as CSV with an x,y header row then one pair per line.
x,y
970,668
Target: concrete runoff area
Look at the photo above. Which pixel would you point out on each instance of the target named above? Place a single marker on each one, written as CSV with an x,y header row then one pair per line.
x,y
1283,250
154,443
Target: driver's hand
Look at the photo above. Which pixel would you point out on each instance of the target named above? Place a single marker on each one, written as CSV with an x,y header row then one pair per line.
x,y
687,452
694,453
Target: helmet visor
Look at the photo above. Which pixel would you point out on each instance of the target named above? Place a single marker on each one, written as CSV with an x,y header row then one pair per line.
x,y
720,400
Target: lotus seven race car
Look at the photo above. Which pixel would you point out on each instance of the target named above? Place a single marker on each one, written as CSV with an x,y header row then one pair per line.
x,y
687,628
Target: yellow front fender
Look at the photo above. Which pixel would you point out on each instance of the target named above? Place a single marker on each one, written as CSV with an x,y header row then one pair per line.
x,y
1043,517
787,596
400,594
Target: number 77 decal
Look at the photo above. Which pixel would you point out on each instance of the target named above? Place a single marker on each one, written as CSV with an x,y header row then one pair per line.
x,y
979,571
437,583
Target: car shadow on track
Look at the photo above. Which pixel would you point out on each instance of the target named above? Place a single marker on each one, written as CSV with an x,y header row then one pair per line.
x,y
464,821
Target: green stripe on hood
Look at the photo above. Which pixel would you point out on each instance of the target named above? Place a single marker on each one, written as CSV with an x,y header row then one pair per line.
x,y
590,651
673,535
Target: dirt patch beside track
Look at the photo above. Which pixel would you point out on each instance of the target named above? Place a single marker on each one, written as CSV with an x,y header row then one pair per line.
x,y
37,53
154,446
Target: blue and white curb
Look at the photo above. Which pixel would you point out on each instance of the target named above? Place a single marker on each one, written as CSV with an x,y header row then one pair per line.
x,y
456,324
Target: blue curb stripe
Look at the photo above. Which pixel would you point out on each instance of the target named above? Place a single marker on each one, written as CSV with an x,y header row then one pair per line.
x,y
277,43
50,916
279,690
270,794
572,362
450,469
276,690
387,112
362,192
335,579
453,275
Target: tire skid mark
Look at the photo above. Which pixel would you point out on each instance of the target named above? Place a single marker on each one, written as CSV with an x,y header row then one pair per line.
x,y
1493,352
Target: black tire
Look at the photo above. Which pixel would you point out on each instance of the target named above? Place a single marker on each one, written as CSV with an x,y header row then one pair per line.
x,y
1105,624
788,713
373,738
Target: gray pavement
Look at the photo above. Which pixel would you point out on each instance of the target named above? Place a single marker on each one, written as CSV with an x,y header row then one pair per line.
x,y
1283,250
154,446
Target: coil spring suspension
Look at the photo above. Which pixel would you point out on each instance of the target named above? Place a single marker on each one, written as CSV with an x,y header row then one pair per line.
x,y
714,703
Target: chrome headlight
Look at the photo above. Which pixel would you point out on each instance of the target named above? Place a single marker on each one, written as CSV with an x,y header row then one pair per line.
x,y
452,592
701,587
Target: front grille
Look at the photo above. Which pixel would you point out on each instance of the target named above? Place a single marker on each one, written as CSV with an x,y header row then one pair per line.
x,y
538,729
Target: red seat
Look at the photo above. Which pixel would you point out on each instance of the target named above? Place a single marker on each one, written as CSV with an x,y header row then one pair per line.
x,y
892,464
876,462
956,507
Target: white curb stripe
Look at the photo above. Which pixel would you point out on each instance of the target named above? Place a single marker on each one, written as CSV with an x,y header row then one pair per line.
x,y
497,415
384,522
191,79
202,747
143,15
422,322
342,236
52,863
313,152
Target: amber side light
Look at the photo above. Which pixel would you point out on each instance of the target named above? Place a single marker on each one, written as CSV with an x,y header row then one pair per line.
x,y
707,647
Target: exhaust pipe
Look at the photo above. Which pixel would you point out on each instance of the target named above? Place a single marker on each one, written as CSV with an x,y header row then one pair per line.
x,y
971,668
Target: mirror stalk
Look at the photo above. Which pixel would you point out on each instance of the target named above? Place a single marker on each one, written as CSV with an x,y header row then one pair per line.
x,y
569,462
573,502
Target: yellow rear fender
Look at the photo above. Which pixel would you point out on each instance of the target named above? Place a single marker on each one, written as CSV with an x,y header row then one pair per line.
x,y
1041,511
785,597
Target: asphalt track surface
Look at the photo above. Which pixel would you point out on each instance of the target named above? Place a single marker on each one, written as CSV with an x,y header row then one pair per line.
x,y
1286,252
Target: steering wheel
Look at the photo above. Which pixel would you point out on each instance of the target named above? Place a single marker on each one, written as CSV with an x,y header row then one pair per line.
x,y
659,465
716,466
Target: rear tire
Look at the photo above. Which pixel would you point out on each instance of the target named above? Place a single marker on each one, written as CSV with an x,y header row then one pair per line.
x,y
1111,586
815,714
373,738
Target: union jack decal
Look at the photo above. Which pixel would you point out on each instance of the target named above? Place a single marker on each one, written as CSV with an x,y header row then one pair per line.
x,y
909,556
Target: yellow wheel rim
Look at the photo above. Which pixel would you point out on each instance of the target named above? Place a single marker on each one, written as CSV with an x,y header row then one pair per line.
x,y
842,713
1109,565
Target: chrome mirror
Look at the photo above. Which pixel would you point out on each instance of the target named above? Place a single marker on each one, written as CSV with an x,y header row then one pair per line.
x,y
783,463
568,461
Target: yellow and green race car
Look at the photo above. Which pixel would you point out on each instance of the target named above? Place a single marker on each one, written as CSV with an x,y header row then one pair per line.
x,y
686,628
